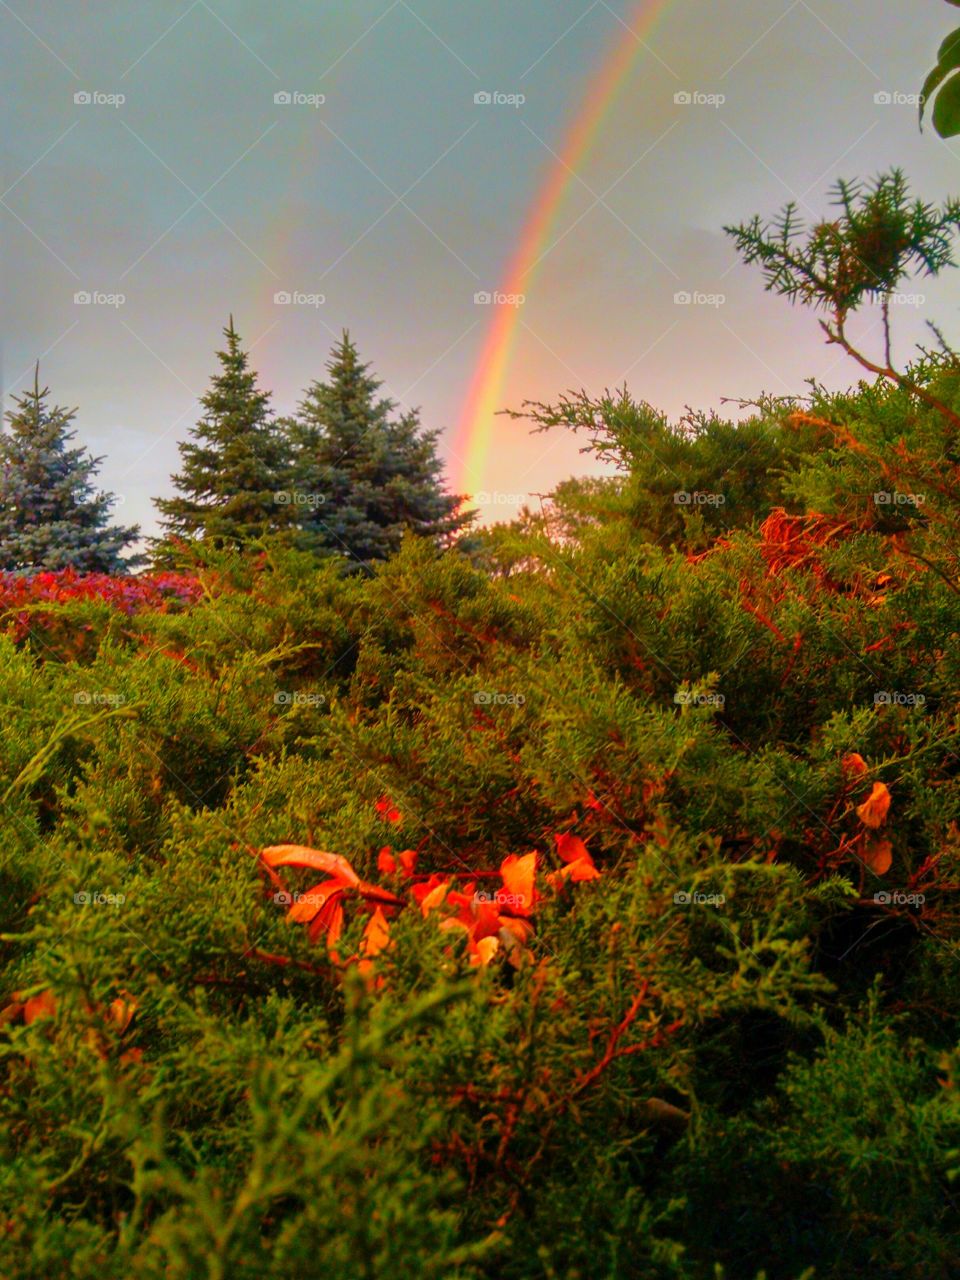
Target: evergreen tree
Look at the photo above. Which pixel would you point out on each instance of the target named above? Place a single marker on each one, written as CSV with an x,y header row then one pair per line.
x,y
230,476
360,475
51,515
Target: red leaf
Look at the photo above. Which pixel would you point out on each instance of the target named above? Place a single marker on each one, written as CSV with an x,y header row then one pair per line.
x,y
570,848
387,809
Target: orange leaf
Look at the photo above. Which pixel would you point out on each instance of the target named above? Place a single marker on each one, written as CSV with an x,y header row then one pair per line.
x,y
298,855
873,811
878,855
376,936
482,952
434,896
386,862
329,920
408,861
310,903
519,875
854,765
582,869
571,848
41,1006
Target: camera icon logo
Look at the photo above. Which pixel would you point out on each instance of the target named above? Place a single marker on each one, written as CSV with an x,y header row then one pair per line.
x,y
682,498
883,98
482,99
82,298
82,699
683,99
883,898
283,899
282,298
82,98
283,698
283,98
682,899
482,298
682,298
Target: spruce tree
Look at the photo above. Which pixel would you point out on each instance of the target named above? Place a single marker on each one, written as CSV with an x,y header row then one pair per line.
x,y
232,471
51,515
361,475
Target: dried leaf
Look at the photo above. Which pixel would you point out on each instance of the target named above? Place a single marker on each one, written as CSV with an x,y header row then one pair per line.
x,y
519,875
854,765
873,811
878,855
298,855
376,936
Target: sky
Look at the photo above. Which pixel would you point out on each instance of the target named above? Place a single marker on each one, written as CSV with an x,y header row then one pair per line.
x,y
385,166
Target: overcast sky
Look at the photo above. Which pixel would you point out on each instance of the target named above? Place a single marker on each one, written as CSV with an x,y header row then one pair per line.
x,y
398,198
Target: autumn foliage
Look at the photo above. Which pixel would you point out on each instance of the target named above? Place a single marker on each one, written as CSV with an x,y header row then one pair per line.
x,y
539,908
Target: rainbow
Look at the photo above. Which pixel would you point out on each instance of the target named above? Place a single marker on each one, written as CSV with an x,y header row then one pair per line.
x,y
473,437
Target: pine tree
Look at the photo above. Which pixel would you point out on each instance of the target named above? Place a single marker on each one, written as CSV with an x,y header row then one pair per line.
x,y
51,515
360,475
230,477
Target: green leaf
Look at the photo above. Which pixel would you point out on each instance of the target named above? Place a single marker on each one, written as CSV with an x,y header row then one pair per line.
x,y
933,79
948,59
946,109
949,52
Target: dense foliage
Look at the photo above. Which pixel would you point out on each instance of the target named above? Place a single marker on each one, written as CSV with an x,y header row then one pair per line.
x,y
587,909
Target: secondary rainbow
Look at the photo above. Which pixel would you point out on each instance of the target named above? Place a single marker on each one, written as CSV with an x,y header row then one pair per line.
x,y
484,398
